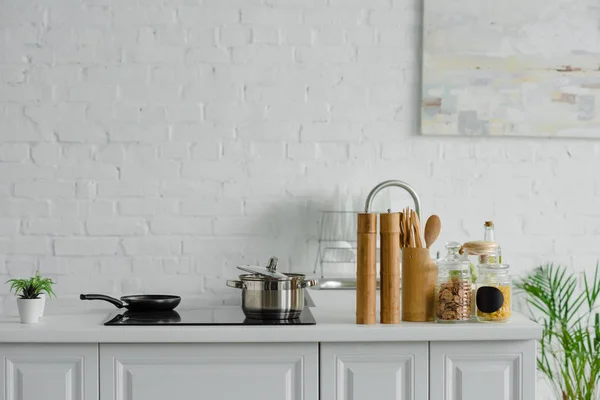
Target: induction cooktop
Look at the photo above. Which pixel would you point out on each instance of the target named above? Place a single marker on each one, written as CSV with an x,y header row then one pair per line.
x,y
204,316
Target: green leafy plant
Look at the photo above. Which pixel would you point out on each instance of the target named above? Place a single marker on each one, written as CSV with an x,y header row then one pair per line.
x,y
27,288
45,284
569,351
30,288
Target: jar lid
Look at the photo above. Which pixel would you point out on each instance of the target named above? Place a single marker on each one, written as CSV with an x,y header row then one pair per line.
x,y
479,248
453,259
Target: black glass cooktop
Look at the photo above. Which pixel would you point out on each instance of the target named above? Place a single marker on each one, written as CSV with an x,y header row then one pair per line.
x,y
204,316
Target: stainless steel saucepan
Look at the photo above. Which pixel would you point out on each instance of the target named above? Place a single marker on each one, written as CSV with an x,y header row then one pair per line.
x,y
265,297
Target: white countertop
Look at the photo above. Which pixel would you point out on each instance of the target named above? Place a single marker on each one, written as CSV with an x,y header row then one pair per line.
x,y
335,323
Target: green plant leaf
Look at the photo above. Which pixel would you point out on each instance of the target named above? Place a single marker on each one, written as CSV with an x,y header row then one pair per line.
x,y
569,351
30,288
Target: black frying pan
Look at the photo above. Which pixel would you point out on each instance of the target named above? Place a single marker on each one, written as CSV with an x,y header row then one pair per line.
x,y
142,302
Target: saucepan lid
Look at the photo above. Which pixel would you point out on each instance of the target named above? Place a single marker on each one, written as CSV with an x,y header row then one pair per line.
x,y
270,271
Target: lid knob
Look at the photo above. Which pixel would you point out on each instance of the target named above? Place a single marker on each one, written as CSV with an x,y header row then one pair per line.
x,y
272,264
453,247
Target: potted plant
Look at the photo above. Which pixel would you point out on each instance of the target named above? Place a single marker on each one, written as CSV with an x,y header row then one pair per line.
x,y
29,301
567,309
46,284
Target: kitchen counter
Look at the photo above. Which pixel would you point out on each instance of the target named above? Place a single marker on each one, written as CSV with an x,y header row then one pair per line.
x,y
335,323
64,355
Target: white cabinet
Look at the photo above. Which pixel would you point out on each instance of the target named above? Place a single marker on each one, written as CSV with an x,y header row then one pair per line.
x,y
285,371
382,371
470,370
483,370
49,372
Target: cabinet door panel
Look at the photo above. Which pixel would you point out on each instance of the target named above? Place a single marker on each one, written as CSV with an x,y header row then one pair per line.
x,y
476,370
49,372
365,371
228,371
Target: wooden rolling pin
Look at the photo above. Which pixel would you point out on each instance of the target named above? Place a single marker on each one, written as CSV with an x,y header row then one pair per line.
x,y
366,273
390,268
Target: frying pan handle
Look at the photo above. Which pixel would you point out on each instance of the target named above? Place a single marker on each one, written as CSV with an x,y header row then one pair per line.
x,y
116,302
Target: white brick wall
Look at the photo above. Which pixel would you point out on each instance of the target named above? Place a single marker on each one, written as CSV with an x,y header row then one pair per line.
x,y
130,131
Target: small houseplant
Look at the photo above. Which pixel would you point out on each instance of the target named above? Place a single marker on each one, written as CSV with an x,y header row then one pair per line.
x,y
29,290
569,351
46,284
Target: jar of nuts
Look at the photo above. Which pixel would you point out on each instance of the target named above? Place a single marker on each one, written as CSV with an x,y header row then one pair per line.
x,y
453,288
493,297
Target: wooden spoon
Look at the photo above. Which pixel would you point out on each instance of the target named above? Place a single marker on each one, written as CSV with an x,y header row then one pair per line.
x,y
433,226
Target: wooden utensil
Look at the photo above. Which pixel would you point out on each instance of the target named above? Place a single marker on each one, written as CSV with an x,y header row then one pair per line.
x,y
390,268
366,273
413,241
401,239
433,226
407,228
402,234
417,228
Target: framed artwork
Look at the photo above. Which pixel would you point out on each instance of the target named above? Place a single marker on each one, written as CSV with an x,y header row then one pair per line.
x,y
511,68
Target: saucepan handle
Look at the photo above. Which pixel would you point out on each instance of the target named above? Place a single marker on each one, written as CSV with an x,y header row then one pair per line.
x,y
235,284
116,302
308,283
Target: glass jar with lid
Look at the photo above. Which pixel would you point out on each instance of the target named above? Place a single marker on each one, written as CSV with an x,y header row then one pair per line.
x,y
453,291
478,252
494,291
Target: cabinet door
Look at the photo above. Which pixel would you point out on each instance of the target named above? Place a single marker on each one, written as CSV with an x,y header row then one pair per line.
x,y
367,371
209,371
49,372
483,370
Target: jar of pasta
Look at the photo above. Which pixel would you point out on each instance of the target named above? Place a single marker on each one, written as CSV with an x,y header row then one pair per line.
x,y
493,293
478,252
453,289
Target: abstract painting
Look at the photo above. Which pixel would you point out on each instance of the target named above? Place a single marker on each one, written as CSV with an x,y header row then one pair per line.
x,y
511,68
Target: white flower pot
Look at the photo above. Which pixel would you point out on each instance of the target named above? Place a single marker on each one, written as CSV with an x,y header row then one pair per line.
x,y
43,298
29,310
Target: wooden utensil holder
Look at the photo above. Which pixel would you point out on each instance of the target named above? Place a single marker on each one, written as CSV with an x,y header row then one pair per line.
x,y
366,272
390,268
419,274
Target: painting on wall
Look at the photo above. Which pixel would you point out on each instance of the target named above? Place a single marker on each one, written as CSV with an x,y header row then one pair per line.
x,y
511,68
